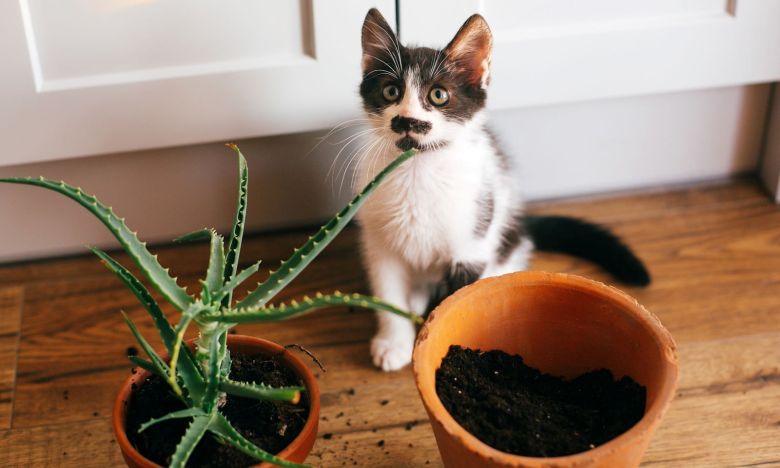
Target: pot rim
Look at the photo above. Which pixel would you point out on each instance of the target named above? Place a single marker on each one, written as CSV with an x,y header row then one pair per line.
x,y
648,320
120,409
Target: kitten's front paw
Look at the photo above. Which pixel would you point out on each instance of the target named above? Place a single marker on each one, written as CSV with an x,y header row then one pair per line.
x,y
391,353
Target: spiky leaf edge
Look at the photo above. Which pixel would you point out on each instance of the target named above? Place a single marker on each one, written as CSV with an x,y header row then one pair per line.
x,y
301,257
237,233
225,431
185,413
137,250
308,304
160,367
262,391
214,274
190,439
188,370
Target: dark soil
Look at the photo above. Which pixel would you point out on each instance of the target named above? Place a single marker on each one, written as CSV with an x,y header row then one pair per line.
x,y
518,409
270,425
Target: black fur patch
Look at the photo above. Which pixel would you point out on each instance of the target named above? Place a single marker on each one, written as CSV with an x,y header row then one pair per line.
x,y
405,124
458,276
511,236
590,242
406,143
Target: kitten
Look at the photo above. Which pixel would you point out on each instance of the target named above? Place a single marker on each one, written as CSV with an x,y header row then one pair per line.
x,y
451,214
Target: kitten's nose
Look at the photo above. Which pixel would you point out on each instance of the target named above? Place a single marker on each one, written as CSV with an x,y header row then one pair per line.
x,y
401,124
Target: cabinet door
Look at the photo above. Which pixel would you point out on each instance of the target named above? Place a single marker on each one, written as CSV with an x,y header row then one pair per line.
x,y
84,77
554,51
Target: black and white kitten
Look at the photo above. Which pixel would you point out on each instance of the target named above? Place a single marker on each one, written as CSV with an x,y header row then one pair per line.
x,y
451,214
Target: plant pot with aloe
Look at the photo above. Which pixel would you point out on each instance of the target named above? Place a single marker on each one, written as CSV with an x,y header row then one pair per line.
x,y
218,400
536,369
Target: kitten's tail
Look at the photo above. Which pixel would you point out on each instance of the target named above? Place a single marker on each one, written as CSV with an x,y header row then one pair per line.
x,y
588,241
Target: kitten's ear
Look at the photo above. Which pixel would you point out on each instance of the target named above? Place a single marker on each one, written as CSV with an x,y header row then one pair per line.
x,y
379,41
471,50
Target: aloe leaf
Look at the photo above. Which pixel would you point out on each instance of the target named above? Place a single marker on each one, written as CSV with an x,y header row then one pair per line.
x,y
223,429
159,365
284,311
144,297
146,365
194,236
237,233
236,280
137,250
293,266
213,281
188,369
212,380
190,439
261,391
185,413
216,268
181,327
226,361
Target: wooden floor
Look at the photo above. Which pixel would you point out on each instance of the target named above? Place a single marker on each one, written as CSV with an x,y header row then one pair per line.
x,y
714,253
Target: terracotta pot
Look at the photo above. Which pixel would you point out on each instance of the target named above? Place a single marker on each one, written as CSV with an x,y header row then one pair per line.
x,y
561,324
298,449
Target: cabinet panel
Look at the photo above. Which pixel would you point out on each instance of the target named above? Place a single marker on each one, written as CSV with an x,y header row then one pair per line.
x,y
77,43
84,77
558,51
506,15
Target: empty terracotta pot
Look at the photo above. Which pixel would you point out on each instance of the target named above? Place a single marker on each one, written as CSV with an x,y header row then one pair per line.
x,y
563,325
298,449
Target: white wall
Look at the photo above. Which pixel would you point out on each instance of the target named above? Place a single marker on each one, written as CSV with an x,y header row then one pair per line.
x,y
628,143
561,150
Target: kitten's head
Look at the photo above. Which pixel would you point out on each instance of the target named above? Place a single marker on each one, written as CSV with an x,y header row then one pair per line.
x,y
419,97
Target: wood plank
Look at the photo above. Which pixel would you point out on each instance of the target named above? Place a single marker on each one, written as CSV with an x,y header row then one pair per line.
x,y
727,410
84,444
10,323
714,252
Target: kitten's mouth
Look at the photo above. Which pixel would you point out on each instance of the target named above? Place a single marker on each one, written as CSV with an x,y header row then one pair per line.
x,y
406,143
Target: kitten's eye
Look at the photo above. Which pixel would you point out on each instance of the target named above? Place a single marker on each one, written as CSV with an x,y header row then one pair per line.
x,y
438,96
391,93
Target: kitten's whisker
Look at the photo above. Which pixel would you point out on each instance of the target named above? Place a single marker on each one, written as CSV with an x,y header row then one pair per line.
x,y
440,64
360,133
337,128
390,69
380,71
381,152
371,164
350,159
376,158
351,140
386,46
434,65
331,172
355,156
361,169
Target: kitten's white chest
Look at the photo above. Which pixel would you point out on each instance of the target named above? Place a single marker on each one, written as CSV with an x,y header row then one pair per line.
x,y
424,207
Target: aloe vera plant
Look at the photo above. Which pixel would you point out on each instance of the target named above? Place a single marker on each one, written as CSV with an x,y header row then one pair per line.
x,y
201,380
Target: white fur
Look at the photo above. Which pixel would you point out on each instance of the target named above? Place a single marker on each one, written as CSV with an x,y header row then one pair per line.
x,y
421,220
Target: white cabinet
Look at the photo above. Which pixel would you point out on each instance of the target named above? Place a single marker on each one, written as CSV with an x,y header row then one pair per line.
x,y
558,51
84,77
